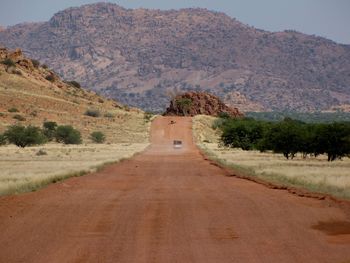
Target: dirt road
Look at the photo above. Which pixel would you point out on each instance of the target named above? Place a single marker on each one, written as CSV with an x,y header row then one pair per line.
x,y
168,205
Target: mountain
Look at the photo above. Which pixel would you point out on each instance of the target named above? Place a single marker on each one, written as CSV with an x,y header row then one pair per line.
x,y
31,94
140,56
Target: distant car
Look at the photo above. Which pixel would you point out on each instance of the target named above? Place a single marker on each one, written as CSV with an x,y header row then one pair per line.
x,y
177,144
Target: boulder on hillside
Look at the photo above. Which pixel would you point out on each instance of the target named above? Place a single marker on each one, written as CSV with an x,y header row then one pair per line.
x,y
195,103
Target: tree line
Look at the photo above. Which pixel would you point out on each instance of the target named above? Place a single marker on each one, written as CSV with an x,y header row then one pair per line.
x,y
23,136
288,137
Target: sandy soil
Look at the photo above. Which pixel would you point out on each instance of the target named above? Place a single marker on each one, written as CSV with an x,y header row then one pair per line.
x,y
168,205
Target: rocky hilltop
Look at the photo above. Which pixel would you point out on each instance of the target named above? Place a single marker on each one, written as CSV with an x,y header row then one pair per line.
x,y
196,103
138,55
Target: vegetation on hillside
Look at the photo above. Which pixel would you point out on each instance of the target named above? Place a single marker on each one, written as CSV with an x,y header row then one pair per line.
x,y
23,136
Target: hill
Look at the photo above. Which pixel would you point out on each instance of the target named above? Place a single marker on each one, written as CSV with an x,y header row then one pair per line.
x,y
32,94
138,55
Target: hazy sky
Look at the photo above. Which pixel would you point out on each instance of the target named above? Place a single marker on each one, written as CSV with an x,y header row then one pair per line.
x,y
327,18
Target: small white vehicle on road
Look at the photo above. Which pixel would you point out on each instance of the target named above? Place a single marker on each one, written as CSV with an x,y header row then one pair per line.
x,y
177,144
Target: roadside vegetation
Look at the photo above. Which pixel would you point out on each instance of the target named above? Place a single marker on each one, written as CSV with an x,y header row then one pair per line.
x,y
243,146
289,137
31,168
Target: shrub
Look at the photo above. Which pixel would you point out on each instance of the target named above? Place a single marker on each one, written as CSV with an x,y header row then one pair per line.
x,y
93,113
8,62
50,77
147,116
184,104
45,66
17,72
41,152
19,117
24,136
2,139
50,129
36,63
68,135
224,115
74,84
13,110
109,115
98,137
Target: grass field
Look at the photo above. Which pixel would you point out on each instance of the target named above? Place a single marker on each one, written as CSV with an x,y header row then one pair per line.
x,y
28,169
314,174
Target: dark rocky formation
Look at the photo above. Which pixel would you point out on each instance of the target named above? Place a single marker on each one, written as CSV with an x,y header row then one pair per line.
x,y
195,103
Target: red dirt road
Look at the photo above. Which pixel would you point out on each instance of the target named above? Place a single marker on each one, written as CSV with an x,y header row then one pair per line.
x,y
168,205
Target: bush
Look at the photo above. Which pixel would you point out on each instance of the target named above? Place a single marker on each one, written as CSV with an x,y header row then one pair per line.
x,y
50,77
98,137
36,63
17,72
184,104
74,84
8,62
45,66
147,116
3,139
93,113
68,135
109,115
25,136
49,129
224,115
19,117
13,110
41,152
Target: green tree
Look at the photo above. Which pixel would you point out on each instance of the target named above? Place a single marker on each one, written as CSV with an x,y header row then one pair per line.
x,y
49,129
284,137
242,133
25,136
68,135
334,140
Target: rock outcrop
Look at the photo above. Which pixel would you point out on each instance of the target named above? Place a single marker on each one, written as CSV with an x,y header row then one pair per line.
x,y
195,103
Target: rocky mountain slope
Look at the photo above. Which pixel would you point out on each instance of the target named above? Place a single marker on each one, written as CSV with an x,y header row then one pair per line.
x,y
140,56
199,103
31,94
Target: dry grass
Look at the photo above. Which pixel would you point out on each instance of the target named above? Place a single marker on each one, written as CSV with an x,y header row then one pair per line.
x,y
23,170
315,174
